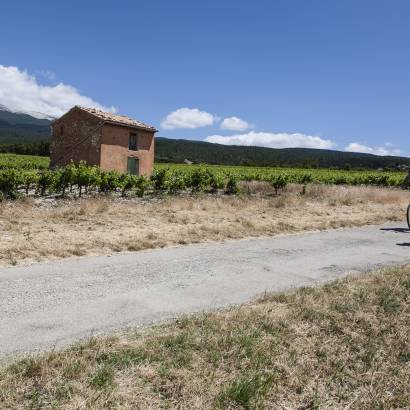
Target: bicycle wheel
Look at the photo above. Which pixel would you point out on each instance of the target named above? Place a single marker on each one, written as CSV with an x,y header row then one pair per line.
x,y
408,216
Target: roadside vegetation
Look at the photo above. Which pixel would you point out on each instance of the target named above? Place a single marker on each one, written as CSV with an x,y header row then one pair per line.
x,y
28,176
336,346
296,175
35,229
80,210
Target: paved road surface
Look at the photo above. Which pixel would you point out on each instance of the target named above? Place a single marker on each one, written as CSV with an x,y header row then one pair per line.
x,y
55,303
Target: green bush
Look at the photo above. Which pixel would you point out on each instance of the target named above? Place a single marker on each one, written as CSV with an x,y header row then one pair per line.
x,y
141,185
108,181
305,179
279,181
340,180
159,179
45,181
29,180
64,177
88,177
405,183
176,182
10,179
127,182
216,181
232,187
199,180
18,176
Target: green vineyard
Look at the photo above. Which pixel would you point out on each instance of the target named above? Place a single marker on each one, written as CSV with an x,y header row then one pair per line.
x,y
295,175
17,161
29,175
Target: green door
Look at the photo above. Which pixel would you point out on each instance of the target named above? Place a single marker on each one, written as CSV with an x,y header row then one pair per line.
x,y
133,166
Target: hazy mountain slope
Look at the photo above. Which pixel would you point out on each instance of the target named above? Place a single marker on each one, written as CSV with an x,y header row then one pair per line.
x,y
169,150
19,127
22,133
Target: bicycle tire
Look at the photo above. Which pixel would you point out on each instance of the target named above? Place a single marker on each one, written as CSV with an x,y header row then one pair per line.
x,y
408,216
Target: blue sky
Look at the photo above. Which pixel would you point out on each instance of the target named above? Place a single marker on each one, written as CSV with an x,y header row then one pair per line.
x,y
291,72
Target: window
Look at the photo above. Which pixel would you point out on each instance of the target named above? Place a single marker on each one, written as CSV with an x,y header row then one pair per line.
x,y
61,130
133,166
133,142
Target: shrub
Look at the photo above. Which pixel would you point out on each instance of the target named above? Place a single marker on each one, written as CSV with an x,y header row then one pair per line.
x,y
232,186
9,182
108,181
127,182
340,180
279,181
70,175
159,179
63,178
29,180
176,182
199,180
305,179
87,177
216,181
141,185
406,182
45,181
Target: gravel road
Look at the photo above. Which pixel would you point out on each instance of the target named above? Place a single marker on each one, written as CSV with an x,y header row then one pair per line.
x,y
55,303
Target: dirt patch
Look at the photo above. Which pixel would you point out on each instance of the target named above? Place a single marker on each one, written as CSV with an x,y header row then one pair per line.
x,y
34,231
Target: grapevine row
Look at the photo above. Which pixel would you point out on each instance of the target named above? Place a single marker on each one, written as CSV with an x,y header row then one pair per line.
x,y
80,179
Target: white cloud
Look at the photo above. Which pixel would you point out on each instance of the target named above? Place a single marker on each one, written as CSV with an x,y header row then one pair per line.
x,y
385,149
187,118
48,75
235,124
273,140
20,91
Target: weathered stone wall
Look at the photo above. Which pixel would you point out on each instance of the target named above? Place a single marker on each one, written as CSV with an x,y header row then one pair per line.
x,y
115,152
75,137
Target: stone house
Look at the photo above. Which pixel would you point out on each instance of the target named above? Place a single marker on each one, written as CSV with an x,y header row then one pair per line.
x,y
110,141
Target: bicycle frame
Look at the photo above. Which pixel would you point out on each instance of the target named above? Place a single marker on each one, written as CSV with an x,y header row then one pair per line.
x,y
408,216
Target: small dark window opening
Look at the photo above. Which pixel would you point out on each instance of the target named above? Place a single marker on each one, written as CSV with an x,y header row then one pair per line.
x,y
133,143
61,130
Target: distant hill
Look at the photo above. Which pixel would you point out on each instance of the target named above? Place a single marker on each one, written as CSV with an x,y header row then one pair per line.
x,y
171,150
22,128
24,134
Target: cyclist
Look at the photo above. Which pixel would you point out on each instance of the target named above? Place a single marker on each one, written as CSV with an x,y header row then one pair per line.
x,y
406,185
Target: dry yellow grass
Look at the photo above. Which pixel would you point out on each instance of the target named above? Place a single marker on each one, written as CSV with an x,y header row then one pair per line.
x,y
343,345
56,229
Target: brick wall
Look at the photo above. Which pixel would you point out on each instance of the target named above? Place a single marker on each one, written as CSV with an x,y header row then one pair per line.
x,y
115,152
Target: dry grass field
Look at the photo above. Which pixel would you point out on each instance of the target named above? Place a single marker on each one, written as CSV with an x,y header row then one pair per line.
x,y
343,345
34,230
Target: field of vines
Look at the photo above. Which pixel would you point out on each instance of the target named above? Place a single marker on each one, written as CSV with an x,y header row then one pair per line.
x,y
16,161
30,176
296,175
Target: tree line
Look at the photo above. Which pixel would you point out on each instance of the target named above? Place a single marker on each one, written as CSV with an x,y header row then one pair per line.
x,y
177,151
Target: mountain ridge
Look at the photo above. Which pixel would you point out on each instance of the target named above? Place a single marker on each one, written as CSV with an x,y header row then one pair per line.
x,y
21,132
178,150
22,128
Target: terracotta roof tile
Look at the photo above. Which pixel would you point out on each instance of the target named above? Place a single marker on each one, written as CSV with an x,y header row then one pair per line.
x,y
117,119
